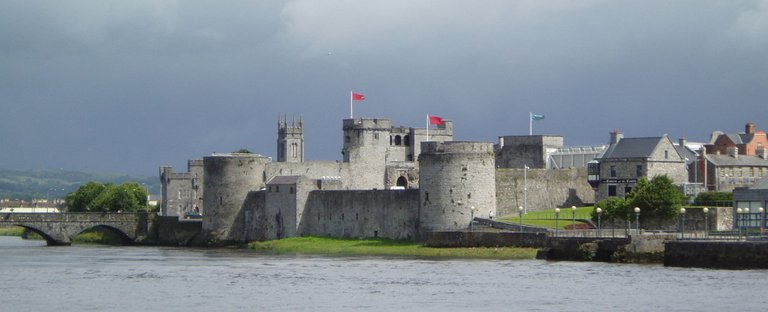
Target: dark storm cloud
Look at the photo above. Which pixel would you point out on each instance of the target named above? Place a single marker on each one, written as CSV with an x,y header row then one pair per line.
x,y
128,85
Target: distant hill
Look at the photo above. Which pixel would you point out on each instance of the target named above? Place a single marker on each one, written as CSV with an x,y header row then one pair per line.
x,y
50,184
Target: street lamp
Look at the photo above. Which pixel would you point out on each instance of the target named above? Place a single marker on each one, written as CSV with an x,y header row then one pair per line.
x,y
637,219
738,221
525,188
573,216
682,228
557,220
599,214
706,222
746,223
760,219
520,211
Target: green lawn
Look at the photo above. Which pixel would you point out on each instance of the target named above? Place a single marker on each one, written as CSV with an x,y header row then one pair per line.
x,y
547,218
384,247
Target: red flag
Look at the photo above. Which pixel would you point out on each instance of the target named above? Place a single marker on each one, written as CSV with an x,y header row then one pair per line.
x,y
434,120
357,96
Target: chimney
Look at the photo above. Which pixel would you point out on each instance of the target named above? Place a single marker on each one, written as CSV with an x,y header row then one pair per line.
x,y
682,141
749,128
616,136
762,152
733,151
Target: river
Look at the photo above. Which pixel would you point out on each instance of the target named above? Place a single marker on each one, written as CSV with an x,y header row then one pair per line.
x,y
103,278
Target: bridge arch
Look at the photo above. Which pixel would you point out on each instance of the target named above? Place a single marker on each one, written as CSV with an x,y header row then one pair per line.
x,y
125,239
59,228
48,238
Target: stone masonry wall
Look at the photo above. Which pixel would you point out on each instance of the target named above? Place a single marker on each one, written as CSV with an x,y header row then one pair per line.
x,y
547,189
375,213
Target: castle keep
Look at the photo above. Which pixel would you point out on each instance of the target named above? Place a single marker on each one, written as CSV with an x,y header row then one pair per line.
x,y
392,182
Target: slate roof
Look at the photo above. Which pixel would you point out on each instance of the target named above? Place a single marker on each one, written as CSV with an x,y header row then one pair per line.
x,y
686,153
761,184
283,180
633,148
741,161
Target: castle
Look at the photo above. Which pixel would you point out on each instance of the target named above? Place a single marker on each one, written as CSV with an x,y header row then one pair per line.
x,y
393,182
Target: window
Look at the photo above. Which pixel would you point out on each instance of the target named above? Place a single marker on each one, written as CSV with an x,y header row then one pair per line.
x,y
613,171
666,154
627,190
376,135
611,190
639,169
398,140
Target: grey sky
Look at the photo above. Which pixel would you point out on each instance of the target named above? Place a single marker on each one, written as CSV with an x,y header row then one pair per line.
x,y
126,86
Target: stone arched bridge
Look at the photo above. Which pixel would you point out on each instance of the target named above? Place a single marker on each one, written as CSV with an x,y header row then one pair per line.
x,y
60,228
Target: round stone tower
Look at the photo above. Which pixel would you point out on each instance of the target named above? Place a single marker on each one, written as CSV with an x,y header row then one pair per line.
x,y
228,180
457,183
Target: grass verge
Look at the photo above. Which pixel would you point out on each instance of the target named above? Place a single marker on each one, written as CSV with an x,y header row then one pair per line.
x,y
546,218
384,247
11,231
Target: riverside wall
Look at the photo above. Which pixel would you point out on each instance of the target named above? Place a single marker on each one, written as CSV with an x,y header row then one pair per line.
x,y
719,255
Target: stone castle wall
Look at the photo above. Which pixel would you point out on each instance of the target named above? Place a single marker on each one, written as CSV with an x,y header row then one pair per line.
x,y
547,188
364,213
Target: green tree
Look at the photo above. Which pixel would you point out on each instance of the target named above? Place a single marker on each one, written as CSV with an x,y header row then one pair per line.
x,y
93,196
81,199
243,151
613,207
708,197
657,198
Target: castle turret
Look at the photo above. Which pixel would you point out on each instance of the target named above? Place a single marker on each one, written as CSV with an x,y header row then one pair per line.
x,y
290,140
366,141
458,182
228,180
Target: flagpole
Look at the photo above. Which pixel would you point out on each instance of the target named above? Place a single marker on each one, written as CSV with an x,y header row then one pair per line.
x,y
530,123
350,105
427,127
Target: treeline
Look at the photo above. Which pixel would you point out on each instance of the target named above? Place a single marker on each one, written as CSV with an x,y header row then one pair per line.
x,y
108,197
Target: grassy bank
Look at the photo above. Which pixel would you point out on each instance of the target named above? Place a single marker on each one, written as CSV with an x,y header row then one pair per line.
x,y
546,218
384,247
11,231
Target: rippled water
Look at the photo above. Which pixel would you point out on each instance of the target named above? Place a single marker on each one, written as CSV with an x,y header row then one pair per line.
x,y
100,278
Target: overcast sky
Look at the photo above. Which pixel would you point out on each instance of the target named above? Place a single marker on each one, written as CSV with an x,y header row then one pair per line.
x,y
126,86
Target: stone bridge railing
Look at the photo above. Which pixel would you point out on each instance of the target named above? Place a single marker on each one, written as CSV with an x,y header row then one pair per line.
x,y
60,228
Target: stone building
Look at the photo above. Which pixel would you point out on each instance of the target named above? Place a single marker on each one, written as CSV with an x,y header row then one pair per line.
x,y
724,173
376,155
242,207
628,159
734,160
393,182
182,192
748,142
518,151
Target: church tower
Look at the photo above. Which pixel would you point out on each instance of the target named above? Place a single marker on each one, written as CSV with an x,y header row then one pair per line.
x,y
290,140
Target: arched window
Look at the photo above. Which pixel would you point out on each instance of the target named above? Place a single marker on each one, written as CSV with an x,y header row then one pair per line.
x,y
398,140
